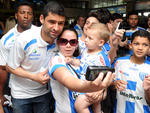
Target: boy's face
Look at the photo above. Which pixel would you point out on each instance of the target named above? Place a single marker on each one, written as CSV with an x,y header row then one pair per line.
x,y
93,41
140,46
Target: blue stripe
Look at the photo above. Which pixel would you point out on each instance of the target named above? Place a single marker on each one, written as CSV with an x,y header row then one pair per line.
x,y
106,59
76,27
131,85
130,107
30,43
72,101
106,47
51,46
50,72
147,61
79,35
8,37
115,106
146,109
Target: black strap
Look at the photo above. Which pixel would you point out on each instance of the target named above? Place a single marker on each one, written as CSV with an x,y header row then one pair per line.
x,y
74,70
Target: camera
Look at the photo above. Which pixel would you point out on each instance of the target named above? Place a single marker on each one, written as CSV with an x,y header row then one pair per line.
x,y
93,72
128,33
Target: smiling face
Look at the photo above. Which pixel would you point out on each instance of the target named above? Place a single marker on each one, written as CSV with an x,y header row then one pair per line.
x,y
140,46
67,49
52,26
24,17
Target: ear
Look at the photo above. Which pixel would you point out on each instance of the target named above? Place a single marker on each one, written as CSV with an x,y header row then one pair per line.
x,y
41,19
101,43
16,16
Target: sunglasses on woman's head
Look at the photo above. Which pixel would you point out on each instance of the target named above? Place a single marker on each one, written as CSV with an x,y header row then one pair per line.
x,y
63,42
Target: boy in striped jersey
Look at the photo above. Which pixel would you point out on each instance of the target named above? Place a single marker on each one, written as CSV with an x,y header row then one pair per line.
x,y
131,71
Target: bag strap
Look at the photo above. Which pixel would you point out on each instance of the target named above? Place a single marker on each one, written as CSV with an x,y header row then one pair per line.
x,y
74,70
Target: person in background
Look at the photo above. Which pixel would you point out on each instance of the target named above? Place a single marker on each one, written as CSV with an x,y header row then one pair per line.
x,y
10,23
80,20
66,83
2,27
133,19
146,85
148,23
132,76
116,19
24,17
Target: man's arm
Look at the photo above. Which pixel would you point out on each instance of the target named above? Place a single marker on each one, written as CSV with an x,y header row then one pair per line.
x,y
3,79
146,85
40,77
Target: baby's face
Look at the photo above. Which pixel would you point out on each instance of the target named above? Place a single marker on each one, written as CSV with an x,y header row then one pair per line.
x,y
93,40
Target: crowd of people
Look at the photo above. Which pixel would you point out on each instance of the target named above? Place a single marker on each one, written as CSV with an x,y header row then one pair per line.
x,y
45,67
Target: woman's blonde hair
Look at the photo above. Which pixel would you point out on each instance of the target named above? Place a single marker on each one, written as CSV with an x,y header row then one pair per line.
x,y
10,23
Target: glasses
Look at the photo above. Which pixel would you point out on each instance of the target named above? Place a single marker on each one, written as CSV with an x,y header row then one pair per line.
x,y
64,42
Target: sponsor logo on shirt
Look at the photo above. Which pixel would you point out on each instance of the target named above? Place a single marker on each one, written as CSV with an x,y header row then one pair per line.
x,y
131,96
142,75
34,55
124,73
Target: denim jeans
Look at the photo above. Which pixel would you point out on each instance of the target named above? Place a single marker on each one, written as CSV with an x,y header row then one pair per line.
x,y
40,104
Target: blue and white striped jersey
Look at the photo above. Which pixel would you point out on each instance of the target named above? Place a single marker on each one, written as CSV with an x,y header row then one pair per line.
x,y
132,99
95,59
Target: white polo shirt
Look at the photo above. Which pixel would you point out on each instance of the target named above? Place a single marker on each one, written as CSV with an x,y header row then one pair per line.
x,y
7,41
31,53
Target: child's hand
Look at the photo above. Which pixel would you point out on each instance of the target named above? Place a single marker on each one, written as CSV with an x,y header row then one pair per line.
x,y
68,60
97,96
120,85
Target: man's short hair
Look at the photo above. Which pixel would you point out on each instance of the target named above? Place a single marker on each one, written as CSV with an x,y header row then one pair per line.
x,y
103,15
132,13
53,7
21,4
116,16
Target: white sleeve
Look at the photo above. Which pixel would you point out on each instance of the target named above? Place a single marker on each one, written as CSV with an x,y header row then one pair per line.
x,y
3,54
16,54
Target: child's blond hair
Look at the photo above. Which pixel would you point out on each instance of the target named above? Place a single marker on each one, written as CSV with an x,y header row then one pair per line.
x,y
102,31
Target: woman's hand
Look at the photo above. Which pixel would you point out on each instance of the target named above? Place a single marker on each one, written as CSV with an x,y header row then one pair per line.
x,y
103,83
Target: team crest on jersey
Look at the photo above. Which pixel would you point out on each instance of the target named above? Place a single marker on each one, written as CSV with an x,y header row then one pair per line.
x,y
34,55
142,75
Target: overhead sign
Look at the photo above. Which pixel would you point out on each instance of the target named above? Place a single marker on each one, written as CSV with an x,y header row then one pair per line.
x,y
118,9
